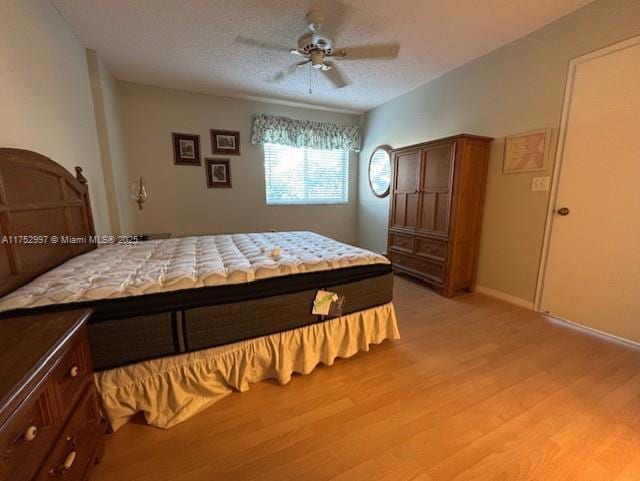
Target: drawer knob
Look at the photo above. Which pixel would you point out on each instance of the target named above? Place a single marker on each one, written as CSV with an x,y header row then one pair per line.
x,y
31,433
74,371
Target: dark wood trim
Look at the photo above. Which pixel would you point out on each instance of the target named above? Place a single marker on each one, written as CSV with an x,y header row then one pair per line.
x,y
80,177
210,182
442,140
177,157
214,145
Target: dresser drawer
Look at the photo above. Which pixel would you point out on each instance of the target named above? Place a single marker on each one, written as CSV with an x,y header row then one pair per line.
x,y
431,248
25,438
401,242
426,268
75,448
73,371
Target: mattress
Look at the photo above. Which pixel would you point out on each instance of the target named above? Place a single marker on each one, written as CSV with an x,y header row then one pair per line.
x,y
186,263
171,296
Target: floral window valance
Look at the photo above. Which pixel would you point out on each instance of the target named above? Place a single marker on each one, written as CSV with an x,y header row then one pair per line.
x,y
274,129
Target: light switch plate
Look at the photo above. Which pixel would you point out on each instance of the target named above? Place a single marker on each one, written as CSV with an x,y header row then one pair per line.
x,y
540,184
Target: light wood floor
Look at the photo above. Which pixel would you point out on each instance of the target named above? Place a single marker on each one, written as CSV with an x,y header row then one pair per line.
x,y
475,390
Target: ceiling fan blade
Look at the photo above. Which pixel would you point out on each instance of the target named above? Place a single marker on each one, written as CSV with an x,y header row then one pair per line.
x,y
250,42
284,73
335,76
377,50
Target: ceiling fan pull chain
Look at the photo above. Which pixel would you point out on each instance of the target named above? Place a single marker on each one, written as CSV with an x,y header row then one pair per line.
x,y
310,78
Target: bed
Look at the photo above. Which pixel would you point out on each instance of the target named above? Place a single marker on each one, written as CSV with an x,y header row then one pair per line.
x,y
179,323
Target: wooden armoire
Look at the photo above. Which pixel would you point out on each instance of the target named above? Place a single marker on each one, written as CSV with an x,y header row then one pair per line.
x,y
437,195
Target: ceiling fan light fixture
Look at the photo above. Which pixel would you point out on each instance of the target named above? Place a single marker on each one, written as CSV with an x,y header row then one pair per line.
x,y
317,58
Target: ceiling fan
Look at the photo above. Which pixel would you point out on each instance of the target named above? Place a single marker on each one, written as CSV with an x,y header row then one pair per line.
x,y
318,50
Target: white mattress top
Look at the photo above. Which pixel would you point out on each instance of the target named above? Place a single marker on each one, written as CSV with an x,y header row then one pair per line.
x,y
115,271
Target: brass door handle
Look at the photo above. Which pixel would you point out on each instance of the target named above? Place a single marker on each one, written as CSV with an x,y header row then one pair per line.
x,y
563,211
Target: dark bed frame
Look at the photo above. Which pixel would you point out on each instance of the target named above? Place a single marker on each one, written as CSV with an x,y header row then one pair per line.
x,y
40,199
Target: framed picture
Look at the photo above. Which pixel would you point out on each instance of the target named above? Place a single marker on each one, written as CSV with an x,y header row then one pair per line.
x,y
225,142
526,152
218,173
186,149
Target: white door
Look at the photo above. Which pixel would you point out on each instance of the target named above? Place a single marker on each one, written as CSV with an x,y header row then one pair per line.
x,y
592,274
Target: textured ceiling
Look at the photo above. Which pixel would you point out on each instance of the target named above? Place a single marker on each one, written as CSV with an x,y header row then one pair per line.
x,y
190,44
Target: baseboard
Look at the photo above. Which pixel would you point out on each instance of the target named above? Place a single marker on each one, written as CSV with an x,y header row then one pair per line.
x,y
516,301
592,331
557,320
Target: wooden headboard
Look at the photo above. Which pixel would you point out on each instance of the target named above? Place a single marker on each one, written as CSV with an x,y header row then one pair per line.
x,y
40,199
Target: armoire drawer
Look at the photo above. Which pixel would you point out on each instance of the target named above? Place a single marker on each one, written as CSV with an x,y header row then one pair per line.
x,y
430,248
431,269
401,242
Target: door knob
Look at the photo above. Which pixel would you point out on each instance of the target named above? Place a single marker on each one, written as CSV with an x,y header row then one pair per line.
x,y
563,211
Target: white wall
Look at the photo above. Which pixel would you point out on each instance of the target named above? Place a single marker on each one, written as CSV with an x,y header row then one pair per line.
x,y
516,88
179,200
106,101
45,97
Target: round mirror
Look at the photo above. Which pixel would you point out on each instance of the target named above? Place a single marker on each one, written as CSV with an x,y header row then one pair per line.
x,y
380,171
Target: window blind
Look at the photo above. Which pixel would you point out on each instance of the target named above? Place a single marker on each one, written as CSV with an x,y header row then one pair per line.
x,y
305,176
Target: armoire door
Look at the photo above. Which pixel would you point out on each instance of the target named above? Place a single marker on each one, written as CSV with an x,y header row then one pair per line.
x,y
404,211
435,189
592,273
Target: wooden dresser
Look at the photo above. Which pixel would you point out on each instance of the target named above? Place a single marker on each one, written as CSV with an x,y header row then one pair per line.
x,y
437,195
50,423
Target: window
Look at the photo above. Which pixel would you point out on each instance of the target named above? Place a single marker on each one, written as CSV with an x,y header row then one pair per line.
x,y
305,176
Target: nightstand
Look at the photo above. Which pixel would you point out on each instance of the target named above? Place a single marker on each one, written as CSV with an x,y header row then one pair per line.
x,y
50,421
153,236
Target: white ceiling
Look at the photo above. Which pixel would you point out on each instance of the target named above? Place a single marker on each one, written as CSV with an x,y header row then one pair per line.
x,y
189,44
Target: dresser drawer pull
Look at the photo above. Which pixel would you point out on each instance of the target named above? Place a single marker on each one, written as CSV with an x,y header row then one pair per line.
x,y
74,371
31,433
71,458
66,466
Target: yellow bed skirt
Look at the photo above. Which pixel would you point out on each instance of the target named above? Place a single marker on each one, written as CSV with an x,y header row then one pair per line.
x,y
170,390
